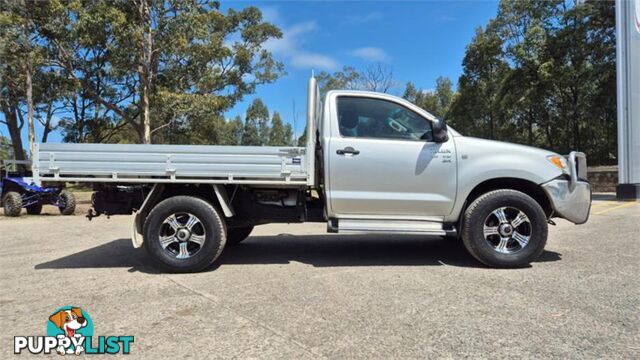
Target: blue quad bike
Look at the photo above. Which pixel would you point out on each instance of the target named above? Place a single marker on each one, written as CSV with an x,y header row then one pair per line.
x,y
17,192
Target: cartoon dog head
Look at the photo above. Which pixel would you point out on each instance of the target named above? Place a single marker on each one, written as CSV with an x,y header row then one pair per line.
x,y
69,320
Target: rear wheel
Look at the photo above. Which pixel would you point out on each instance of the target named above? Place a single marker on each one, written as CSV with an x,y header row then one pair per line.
x,y
34,209
236,235
184,234
505,228
67,203
12,202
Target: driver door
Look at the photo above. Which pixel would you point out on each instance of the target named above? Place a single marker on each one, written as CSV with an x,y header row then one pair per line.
x,y
384,162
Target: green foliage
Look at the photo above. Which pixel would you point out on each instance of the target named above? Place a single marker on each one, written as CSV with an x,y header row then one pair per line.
x,y
250,134
256,124
302,140
347,79
543,74
128,70
376,77
437,102
540,73
233,133
288,135
277,135
6,152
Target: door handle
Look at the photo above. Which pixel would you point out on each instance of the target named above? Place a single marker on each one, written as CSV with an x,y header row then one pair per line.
x,y
347,150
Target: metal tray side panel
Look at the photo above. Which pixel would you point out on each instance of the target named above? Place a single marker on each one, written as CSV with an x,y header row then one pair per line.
x,y
169,162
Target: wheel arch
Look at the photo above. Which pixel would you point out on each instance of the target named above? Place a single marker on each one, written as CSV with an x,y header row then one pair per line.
x,y
528,187
215,194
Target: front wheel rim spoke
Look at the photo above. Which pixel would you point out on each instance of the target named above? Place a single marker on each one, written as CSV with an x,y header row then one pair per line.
x,y
184,252
167,240
172,221
198,239
502,217
191,222
519,220
502,245
490,230
521,239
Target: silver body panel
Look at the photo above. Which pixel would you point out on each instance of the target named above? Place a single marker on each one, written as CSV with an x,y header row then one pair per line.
x,y
571,201
481,160
391,178
170,164
391,226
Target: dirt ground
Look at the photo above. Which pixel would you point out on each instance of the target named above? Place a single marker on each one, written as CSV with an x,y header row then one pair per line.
x,y
293,291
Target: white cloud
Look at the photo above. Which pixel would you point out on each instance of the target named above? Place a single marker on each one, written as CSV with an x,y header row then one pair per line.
x,y
370,54
290,47
314,60
364,18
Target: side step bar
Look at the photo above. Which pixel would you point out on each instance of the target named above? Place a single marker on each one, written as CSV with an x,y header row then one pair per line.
x,y
388,226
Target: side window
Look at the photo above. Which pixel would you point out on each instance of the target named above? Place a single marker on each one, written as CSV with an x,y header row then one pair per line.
x,y
380,119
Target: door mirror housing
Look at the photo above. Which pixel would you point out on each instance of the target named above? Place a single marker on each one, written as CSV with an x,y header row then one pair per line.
x,y
440,133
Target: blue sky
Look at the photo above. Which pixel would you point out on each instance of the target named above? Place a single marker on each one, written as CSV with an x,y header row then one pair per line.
x,y
418,40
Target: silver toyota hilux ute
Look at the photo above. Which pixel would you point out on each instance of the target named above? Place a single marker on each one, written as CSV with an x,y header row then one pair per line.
x,y
372,163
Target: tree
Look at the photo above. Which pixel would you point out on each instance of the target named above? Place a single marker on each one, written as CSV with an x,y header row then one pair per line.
x,y
234,132
277,135
543,74
155,63
288,135
30,88
6,152
437,102
258,115
376,77
250,134
347,79
302,140
476,110
13,50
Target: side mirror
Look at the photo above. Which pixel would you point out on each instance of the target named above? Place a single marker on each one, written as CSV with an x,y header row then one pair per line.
x,y
440,133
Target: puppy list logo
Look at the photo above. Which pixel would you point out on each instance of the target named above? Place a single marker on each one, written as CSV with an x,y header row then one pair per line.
x,y
70,331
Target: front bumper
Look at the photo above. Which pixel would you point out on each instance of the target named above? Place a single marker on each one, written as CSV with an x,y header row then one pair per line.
x,y
571,199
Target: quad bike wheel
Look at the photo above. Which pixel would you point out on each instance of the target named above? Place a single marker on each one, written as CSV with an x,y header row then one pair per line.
x,y
67,203
12,202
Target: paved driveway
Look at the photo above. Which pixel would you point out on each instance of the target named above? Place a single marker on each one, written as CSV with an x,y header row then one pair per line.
x,y
296,292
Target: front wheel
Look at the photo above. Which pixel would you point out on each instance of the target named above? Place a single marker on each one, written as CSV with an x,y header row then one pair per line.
x,y
505,228
67,203
12,202
184,234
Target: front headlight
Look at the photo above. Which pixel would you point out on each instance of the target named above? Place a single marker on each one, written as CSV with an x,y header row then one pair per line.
x,y
560,162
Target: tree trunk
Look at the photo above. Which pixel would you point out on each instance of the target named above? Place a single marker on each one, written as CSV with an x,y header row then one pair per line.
x,y
531,121
11,119
145,47
29,91
47,124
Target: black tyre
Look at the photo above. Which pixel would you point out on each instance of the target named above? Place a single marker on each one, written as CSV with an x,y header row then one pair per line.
x,y
505,228
184,234
12,202
67,203
236,235
34,209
